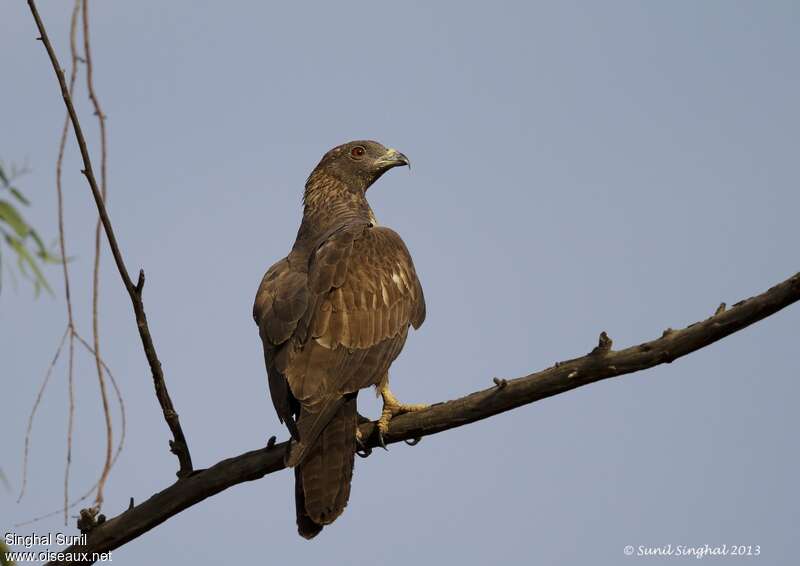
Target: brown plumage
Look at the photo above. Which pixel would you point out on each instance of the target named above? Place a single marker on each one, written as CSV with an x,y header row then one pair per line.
x,y
333,315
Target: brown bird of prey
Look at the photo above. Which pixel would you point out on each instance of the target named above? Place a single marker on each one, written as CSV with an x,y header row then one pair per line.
x,y
333,315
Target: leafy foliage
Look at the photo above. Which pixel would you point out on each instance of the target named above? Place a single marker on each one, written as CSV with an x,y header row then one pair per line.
x,y
20,237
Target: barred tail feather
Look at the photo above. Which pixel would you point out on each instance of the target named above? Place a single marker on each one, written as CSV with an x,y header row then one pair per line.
x,y
322,478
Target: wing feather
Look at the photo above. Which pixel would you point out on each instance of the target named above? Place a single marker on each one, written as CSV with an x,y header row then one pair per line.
x,y
337,326
362,303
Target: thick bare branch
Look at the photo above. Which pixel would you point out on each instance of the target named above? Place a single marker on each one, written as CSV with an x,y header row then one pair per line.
x,y
178,445
600,363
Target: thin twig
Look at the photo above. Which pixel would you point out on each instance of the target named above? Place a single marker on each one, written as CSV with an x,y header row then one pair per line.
x,y
179,445
437,418
123,417
4,480
70,421
32,415
120,445
63,248
87,53
71,329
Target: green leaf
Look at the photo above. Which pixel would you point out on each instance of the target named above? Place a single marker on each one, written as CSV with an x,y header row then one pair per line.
x,y
24,258
11,274
41,250
21,238
19,196
9,214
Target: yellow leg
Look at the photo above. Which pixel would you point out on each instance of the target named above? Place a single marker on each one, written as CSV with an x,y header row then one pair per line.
x,y
391,408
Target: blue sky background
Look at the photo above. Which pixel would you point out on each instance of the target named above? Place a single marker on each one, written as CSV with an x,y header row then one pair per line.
x,y
578,167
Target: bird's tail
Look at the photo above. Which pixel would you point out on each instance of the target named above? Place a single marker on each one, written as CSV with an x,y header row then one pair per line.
x,y
323,476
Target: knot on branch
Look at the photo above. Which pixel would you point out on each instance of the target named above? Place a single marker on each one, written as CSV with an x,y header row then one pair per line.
x,y
179,448
89,519
720,309
604,344
140,283
667,332
499,382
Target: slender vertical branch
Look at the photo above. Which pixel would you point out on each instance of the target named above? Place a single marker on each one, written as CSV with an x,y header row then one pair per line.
x,y
63,248
178,445
71,330
87,53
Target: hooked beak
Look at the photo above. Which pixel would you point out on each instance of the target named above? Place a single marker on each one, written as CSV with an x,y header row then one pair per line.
x,y
392,158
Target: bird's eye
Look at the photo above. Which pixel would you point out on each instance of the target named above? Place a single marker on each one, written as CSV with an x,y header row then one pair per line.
x,y
357,151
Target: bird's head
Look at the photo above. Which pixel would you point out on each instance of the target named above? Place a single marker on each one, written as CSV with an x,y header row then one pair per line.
x,y
358,164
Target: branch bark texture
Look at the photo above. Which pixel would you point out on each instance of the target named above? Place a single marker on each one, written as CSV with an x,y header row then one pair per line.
x,y
601,363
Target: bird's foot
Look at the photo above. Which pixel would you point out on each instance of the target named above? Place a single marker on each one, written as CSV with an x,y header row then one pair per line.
x,y
362,449
391,408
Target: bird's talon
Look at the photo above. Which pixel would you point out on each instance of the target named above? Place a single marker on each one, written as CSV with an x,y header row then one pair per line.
x,y
363,450
381,440
413,441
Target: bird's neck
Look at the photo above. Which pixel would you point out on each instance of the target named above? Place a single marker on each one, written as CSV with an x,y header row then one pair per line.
x,y
328,204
